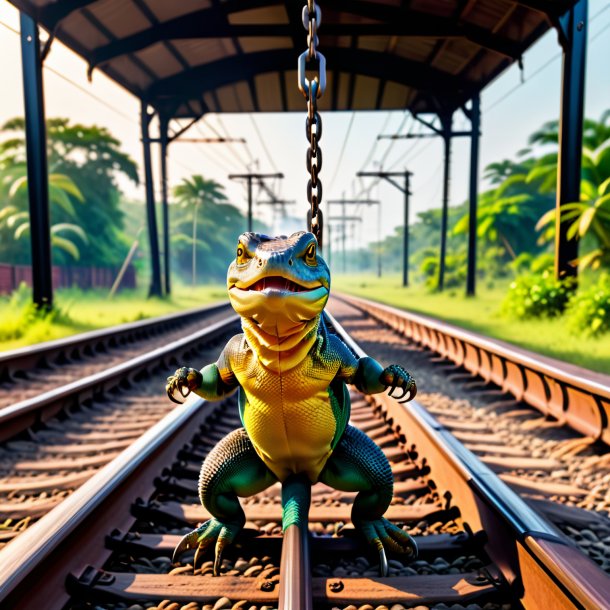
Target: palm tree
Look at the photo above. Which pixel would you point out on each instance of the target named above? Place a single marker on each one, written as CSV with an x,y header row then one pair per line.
x,y
16,220
194,192
91,158
590,217
595,133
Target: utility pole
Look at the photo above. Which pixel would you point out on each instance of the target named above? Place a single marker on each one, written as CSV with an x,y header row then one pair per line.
x,y
446,132
249,178
165,140
344,220
404,189
343,202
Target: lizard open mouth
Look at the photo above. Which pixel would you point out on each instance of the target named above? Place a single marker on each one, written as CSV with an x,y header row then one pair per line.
x,y
278,283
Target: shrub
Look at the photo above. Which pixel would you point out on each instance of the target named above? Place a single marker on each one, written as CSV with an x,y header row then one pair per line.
x,y
589,311
537,296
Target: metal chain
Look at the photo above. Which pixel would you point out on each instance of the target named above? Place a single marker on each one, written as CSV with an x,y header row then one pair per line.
x,y
313,89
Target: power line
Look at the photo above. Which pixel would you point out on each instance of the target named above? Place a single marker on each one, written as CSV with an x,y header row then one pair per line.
x,y
345,139
392,142
545,65
262,141
376,141
230,146
74,84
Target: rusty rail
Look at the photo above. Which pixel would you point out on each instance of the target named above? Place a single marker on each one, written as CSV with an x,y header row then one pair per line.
x,y
542,566
58,542
576,397
21,415
15,361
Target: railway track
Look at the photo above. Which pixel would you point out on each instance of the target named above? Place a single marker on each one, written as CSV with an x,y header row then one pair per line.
x,y
77,428
573,396
481,546
553,468
29,371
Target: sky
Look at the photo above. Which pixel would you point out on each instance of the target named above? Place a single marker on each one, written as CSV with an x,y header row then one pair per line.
x,y
511,110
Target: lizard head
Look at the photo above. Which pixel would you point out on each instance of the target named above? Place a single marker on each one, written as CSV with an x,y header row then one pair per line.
x,y
278,281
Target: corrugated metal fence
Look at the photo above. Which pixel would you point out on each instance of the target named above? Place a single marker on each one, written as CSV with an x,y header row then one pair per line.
x,y
66,277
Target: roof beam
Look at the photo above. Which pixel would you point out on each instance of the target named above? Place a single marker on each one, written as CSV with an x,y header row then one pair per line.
x,y
51,14
551,9
212,23
369,63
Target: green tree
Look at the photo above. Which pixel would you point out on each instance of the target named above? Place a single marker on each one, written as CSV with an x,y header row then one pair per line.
x,y
590,217
91,158
204,224
16,221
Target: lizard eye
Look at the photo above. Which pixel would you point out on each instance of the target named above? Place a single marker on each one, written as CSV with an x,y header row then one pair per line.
x,y
310,255
242,255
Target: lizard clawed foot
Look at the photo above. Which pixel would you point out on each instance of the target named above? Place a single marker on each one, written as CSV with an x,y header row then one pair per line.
x,y
382,534
212,531
183,381
395,377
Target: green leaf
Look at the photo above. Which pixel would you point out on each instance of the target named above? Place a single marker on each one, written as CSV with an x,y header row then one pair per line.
x,y
66,245
22,229
604,187
70,228
19,186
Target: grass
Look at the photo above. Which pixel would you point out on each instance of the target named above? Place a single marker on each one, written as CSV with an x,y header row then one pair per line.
x,y
481,314
79,311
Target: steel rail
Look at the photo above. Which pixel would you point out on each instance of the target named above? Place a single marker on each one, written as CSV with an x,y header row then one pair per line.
x,y
23,358
543,567
20,559
21,415
576,397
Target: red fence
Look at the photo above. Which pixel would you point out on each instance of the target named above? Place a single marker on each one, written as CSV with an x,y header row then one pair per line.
x,y
66,277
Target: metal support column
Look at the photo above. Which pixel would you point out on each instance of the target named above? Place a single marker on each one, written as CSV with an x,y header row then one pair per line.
x,y
446,121
573,37
153,237
164,141
405,235
36,151
475,120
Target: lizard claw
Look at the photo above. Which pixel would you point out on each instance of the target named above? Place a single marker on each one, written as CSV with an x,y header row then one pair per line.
x,y
395,377
183,381
212,531
382,534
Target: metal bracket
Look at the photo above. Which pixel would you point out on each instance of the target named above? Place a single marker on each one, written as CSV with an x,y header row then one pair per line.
x,y
47,47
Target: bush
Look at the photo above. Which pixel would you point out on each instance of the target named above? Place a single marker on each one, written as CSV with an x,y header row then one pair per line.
x,y
455,270
537,296
589,311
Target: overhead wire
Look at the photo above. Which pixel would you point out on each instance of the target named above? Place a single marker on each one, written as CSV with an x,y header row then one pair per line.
x,y
229,144
262,141
548,63
340,158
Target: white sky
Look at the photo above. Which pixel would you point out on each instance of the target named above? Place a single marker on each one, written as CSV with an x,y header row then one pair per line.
x,y
510,112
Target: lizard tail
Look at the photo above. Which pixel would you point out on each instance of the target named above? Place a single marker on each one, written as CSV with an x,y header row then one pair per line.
x,y
296,498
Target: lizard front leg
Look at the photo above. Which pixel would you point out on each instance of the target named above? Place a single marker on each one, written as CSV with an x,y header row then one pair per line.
x,y
372,378
206,383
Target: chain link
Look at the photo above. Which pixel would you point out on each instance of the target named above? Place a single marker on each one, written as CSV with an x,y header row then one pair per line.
x,y
313,89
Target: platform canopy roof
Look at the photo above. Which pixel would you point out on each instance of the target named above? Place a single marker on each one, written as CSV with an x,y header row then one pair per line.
x,y
189,57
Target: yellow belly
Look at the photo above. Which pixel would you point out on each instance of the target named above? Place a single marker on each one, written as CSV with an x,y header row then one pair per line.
x,y
290,421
